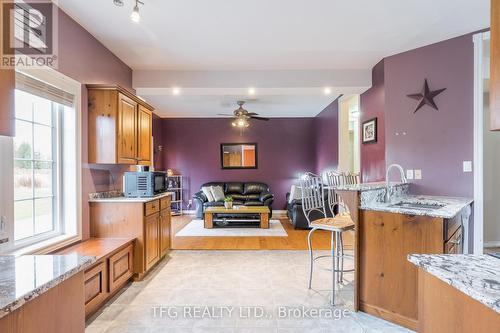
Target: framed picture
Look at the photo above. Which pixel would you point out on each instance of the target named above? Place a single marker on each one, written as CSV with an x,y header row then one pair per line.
x,y
238,155
369,128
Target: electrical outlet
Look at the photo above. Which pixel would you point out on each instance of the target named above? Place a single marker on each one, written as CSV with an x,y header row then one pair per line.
x,y
467,166
418,174
409,174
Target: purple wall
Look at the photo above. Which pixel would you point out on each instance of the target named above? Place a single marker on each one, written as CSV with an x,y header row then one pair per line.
x,y
327,138
373,105
437,141
86,60
286,147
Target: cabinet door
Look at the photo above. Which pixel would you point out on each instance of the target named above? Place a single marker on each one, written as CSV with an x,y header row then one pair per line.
x,y
127,130
120,268
387,279
144,135
95,287
152,239
165,231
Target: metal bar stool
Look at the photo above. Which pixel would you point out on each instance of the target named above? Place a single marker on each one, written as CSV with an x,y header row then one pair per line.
x,y
313,205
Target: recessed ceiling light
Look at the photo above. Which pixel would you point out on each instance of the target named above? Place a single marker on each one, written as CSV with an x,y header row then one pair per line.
x,y
176,91
327,91
251,91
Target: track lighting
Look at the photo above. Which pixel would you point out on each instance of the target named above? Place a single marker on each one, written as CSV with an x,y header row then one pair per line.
x,y
135,16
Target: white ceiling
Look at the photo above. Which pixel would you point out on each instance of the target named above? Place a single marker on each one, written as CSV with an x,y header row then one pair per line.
x,y
243,35
206,106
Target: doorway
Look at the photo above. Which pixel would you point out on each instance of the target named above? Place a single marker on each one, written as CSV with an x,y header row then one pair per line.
x,y
349,134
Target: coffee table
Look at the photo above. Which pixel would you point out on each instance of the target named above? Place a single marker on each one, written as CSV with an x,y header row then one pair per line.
x,y
258,214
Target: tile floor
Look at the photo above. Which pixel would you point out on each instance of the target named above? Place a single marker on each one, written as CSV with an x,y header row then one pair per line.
x,y
190,290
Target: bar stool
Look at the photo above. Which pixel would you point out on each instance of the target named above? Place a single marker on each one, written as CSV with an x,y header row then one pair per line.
x,y
313,206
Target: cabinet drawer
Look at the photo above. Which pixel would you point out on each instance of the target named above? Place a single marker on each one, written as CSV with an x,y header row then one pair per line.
x,y
95,286
120,268
455,244
152,207
165,203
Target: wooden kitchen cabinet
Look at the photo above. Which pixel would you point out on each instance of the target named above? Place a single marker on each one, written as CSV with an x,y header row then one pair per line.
x,y
388,282
147,222
145,134
119,127
111,271
165,221
152,239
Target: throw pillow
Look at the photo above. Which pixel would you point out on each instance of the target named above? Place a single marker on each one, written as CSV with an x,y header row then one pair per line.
x,y
218,193
295,193
208,193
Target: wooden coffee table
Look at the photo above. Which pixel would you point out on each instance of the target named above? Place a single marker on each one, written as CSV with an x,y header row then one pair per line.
x,y
261,211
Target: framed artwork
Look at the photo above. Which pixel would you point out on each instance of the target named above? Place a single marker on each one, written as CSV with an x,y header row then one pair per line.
x,y
238,155
369,128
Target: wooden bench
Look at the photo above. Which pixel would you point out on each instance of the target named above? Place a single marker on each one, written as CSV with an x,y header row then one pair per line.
x,y
112,270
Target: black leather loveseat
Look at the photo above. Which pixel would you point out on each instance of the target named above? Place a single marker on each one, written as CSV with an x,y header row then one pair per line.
x,y
246,194
296,214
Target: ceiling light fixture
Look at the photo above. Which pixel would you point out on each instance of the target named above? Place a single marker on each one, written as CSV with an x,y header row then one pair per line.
x,y
176,91
327,91
240,122
118,3
251,91
135,16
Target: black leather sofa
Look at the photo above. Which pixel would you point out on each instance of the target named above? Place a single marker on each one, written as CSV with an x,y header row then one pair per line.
x,y
296,214
246,194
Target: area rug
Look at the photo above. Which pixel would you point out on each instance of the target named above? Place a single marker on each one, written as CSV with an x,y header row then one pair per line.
x,y
195,228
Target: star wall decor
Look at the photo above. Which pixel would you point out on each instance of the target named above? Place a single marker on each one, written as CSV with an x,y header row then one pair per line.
x,y
426,97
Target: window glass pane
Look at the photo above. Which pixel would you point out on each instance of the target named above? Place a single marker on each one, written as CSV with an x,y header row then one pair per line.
x,y
43,215
23,178
42,110
23,140
43,142
24,105
43,179
23,213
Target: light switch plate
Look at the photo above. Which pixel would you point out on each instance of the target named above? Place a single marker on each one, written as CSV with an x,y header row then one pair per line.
x,y
409,174
418,174
467,166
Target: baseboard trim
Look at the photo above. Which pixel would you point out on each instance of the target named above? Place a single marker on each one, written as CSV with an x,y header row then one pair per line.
x,y
492,244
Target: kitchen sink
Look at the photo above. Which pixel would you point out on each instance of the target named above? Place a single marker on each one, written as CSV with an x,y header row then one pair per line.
x,y
412,205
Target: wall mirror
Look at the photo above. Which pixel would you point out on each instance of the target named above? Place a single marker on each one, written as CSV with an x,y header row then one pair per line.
x,y
238,155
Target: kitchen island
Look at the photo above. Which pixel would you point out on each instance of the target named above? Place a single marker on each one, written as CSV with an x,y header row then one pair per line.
x,y
387,232
42,293
458,293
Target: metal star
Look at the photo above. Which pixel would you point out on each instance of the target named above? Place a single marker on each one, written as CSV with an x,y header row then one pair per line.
x,y
426,97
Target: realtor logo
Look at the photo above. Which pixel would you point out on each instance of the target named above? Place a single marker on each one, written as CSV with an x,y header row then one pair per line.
x,y
29,34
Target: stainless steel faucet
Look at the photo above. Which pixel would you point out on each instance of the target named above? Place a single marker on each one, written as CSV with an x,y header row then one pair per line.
x,y
387,184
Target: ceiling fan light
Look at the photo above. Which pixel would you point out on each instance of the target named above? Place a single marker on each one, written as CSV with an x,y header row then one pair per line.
x,y
135,16
234,124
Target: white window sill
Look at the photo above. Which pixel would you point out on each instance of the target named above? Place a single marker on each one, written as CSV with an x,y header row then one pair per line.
x,y
48,245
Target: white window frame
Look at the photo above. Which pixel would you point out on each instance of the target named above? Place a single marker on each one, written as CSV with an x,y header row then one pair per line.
x,y
57,176
43,244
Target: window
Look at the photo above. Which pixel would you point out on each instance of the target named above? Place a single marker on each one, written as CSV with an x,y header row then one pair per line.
x,y
36,165
40,168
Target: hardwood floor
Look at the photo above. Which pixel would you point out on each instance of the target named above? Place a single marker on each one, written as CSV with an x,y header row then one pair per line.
x,y
296,240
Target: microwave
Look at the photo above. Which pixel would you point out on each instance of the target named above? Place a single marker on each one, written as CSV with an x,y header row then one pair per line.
x,y
140,184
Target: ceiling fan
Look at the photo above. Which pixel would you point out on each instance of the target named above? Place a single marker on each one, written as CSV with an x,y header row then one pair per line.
x,y
241,116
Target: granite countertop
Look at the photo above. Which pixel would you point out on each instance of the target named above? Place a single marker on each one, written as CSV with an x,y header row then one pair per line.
x,y
367,186
451,206
477,276
24,278
124,199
